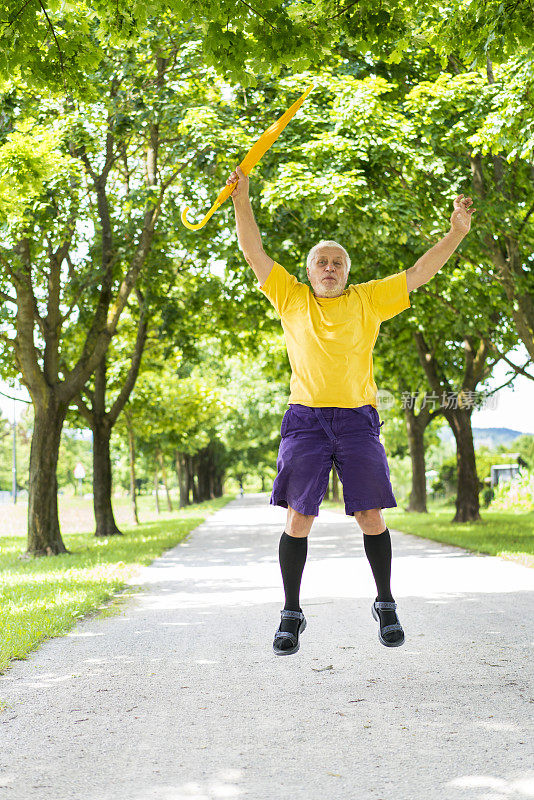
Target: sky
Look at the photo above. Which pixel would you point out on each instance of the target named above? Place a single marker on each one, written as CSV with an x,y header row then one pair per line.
x,y
512,407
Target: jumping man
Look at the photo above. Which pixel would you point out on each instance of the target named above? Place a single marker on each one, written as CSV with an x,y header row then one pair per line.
x,y
330,333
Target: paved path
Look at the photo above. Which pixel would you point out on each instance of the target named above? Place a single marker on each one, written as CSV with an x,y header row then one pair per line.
x,y
179,696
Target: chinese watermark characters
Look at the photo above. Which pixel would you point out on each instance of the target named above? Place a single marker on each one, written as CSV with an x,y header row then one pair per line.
x,y
451,400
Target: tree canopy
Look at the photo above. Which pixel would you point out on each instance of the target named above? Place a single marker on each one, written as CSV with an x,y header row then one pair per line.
x,y
60,45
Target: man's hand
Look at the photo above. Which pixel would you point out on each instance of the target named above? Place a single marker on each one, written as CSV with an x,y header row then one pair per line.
x,y
461,216
241,190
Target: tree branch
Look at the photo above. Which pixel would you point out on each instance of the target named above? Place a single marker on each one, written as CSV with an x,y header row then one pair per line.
x,y
258,14
8,298
428,363
339,13
18,13
519,370
135,364
57,43
26,352
84,410
18,399
531,209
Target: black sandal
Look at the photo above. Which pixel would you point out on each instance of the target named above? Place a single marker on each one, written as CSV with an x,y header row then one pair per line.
x,y
387,628
293,637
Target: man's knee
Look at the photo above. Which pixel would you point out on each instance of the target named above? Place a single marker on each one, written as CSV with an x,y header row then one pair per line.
x,y
371,521
298,524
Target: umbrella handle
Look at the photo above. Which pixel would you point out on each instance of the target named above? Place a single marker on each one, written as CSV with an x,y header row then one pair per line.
x,y
223,195
246,166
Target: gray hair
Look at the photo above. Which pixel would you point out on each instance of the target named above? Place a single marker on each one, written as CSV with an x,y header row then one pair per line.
x,y
330,243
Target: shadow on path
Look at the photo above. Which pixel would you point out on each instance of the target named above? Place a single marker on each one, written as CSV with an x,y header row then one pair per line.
x,y
180,696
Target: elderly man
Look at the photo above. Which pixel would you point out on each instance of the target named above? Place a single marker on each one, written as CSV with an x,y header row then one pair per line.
x,y
330,333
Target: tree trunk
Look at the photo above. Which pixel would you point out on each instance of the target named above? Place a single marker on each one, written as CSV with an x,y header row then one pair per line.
x,y
44,536
164,476
217,468
156,485
211,471
468,486
181,472
102,479
200,464
459,418
191,476
188,475
219,488
211,479
131,450
204,471
415,428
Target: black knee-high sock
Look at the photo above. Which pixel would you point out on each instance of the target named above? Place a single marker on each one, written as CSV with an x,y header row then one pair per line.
x,y
378,552
292,552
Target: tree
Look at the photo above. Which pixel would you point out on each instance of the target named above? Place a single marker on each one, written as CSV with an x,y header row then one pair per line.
x,y
502,171
101,422
255,397
167,415
90,181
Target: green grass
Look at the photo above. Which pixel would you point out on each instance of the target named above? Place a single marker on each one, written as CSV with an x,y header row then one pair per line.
x,y
499,533
44,597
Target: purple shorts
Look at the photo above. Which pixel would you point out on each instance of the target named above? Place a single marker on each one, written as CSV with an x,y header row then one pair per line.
x,y
313,439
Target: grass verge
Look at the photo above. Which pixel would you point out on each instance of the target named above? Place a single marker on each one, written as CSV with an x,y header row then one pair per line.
x,y
44,597
499,533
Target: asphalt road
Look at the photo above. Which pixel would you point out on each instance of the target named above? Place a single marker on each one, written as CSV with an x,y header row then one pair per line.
x,y
180,697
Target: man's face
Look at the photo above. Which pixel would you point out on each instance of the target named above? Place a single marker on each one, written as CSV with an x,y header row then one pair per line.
x,y
328,271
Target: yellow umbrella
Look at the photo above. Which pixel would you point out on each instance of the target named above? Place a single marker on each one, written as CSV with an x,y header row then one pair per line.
x,y
251,159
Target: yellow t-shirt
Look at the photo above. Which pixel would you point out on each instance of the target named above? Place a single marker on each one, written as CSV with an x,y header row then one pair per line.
x,y
330,340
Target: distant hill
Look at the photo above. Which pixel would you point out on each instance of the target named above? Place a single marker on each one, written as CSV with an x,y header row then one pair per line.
x,y
490,437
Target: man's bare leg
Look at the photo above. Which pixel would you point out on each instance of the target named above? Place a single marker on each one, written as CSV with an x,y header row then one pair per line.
x,y
371,522
298,524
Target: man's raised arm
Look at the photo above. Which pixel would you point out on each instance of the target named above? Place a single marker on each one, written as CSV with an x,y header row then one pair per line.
x,y
431,262
247,231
